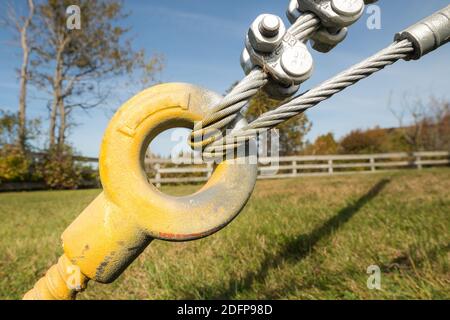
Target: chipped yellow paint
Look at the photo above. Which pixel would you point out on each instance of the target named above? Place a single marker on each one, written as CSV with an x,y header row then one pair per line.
x,y
130,212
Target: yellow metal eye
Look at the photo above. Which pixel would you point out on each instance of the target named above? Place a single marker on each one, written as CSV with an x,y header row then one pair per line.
x,y
120,223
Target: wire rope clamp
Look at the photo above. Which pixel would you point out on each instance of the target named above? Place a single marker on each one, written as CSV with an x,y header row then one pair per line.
x,y
289,63
117,226
334,14
279,53
335,17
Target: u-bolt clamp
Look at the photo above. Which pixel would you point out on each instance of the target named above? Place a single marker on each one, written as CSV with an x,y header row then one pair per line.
x,y
335,16
287,60
130,212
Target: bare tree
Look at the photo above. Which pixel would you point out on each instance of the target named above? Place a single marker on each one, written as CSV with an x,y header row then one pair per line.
x,y
440,117
21,26
427,124
77,67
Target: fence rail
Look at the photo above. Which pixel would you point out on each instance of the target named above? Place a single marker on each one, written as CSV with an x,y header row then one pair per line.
x,y
163,171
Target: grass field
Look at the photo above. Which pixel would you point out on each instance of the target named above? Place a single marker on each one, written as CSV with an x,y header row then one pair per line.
x,y
305,238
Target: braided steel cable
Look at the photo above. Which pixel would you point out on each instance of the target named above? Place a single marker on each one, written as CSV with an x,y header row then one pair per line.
x,y
305,26
225,112
391,54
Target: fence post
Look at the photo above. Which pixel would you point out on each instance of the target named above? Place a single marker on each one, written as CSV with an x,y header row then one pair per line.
x,y
147,166
330,166
158,175
418,162
209,172
294,168
372,164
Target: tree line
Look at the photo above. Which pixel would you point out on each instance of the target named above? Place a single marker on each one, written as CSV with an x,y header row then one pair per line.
x,y
422,126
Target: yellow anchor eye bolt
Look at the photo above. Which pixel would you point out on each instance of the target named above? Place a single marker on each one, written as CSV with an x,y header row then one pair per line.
x,y
130,212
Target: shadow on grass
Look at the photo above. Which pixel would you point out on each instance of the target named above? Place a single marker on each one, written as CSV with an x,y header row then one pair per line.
x,y
295,249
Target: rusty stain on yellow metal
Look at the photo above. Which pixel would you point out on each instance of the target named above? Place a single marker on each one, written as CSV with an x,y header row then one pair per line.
x,y
130,212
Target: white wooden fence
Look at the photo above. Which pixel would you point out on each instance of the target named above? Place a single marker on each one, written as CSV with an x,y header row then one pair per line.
x,y
163,171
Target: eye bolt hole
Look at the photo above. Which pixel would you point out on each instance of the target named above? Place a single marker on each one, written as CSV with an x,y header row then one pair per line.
x,y
169,163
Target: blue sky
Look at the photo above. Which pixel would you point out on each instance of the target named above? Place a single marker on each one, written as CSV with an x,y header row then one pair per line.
x,y
202,41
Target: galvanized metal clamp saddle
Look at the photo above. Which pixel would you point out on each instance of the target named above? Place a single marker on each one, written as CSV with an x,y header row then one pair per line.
x,y
283,53
130,212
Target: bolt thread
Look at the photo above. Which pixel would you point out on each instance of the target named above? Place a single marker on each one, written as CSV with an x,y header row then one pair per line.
x,y
61,282
269,26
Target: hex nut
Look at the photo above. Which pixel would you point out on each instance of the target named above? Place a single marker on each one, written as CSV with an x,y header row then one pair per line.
x,y
278,91
324,40
261,43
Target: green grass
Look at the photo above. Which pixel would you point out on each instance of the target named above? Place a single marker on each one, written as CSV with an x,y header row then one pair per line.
x,y
306,238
